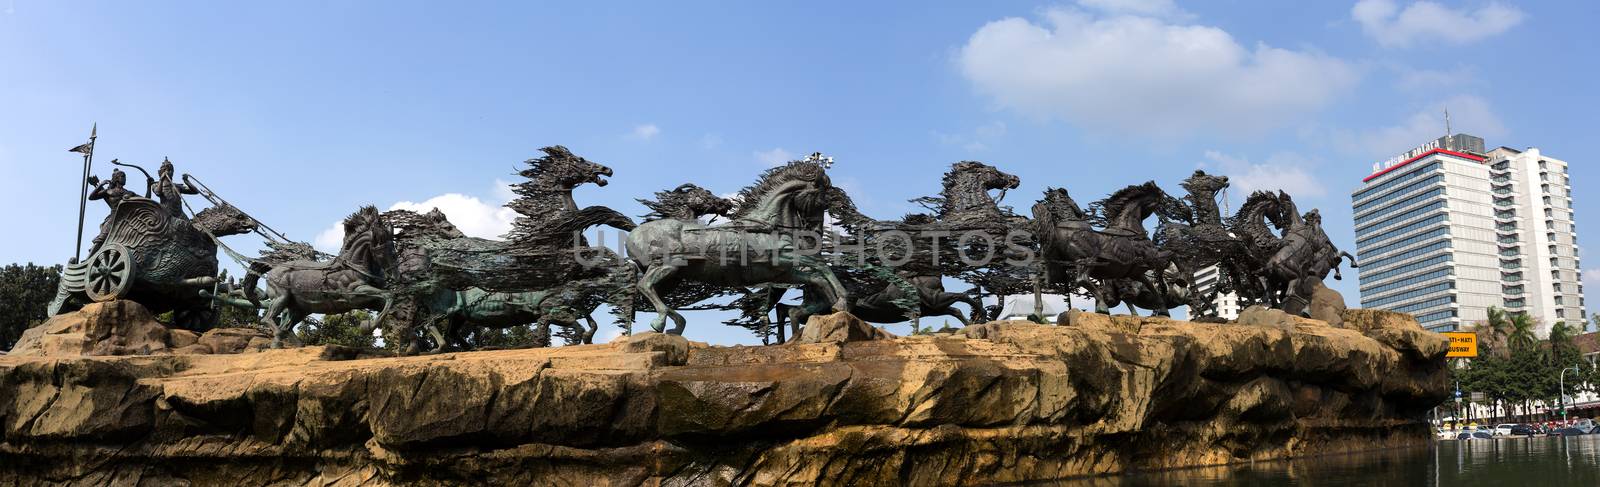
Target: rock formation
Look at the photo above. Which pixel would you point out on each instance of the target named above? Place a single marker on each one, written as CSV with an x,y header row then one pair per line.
x,y
126,328
998,402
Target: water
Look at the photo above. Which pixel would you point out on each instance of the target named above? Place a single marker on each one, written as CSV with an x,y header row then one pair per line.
x,y
1542,461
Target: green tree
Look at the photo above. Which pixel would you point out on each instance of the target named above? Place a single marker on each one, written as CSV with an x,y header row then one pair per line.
x,y
1492,331
340,329
25,292
1521,336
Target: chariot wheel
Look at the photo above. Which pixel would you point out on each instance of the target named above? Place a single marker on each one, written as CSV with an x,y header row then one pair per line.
x,y
110,273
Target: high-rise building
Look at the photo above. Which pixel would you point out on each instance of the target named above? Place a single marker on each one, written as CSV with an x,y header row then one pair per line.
x,y
1225,304
1447,230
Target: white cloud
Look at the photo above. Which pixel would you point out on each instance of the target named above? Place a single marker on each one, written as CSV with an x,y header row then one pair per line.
x,y
473,216
1165,9
502,191
331,239
645,132
1146,76
1591,279
1424,21
1284,171
775,157
1468,114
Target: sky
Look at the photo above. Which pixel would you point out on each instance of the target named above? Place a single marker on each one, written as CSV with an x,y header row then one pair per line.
x,y
300,112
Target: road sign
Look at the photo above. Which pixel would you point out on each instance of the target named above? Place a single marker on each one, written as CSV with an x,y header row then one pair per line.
x,y
1463,344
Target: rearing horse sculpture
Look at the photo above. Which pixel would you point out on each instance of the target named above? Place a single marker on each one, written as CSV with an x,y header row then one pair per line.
x,y
758,247
1305,257
355,279
1122,250
1192,229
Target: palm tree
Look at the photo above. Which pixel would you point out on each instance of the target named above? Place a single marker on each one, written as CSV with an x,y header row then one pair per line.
x,y
1521,336
1494,329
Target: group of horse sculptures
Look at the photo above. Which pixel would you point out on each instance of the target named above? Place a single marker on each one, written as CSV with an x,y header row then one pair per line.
x,y
791,230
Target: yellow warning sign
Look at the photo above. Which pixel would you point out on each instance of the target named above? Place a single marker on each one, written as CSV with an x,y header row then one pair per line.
x,y
1462,344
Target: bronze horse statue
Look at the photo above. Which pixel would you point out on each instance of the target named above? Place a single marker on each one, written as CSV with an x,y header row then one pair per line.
x,y
355,279
1193,230
1121,250
1304,257
963,203
757,247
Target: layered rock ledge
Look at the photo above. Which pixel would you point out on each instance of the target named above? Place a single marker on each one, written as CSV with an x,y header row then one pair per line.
x,y
999,402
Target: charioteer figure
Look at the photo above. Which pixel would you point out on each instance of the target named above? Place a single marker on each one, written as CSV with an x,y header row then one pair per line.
x,y
113,191
170,192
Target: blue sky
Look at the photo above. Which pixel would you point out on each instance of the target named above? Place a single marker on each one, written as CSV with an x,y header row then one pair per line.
x,y
299,112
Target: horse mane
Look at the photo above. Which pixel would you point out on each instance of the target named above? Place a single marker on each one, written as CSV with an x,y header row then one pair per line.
x,y
553,156
843,209
669,203
1101,212
1262,201
412,224
750,197
1174,209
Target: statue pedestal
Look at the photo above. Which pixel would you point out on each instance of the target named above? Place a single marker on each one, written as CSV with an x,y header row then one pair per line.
x,y
111,328
124,327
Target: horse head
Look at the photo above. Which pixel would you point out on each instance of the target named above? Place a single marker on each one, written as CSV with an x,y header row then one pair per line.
x,y
794,195
368,242
967,187
433,224
687,202
1057,205
1127,208
224,220
1204,184
562,170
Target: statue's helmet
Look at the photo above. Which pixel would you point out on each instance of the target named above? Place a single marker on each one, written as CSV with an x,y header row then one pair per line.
x,y
166,168
118,177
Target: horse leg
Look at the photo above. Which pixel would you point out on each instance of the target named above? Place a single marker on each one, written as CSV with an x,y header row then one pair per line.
x,y
588,335
824,279
440,343
647,286
782,310
291,319
271,318
1083,281
952,311
1160,288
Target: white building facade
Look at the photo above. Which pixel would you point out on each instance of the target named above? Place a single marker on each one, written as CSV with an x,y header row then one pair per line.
x,y
1448,230
1226,304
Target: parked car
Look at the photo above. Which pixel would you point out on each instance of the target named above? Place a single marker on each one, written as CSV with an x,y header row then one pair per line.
x,y
1463,435
1503,429
1522,430
1483,435
1444,434
1567,432
1587,425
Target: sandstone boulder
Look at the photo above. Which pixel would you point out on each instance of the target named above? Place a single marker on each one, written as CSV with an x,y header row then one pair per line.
x,y
1327,305
839,328
235,340
1258,315
110,328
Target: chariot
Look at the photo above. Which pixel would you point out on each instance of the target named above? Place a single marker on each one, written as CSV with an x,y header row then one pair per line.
x,y
148,255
